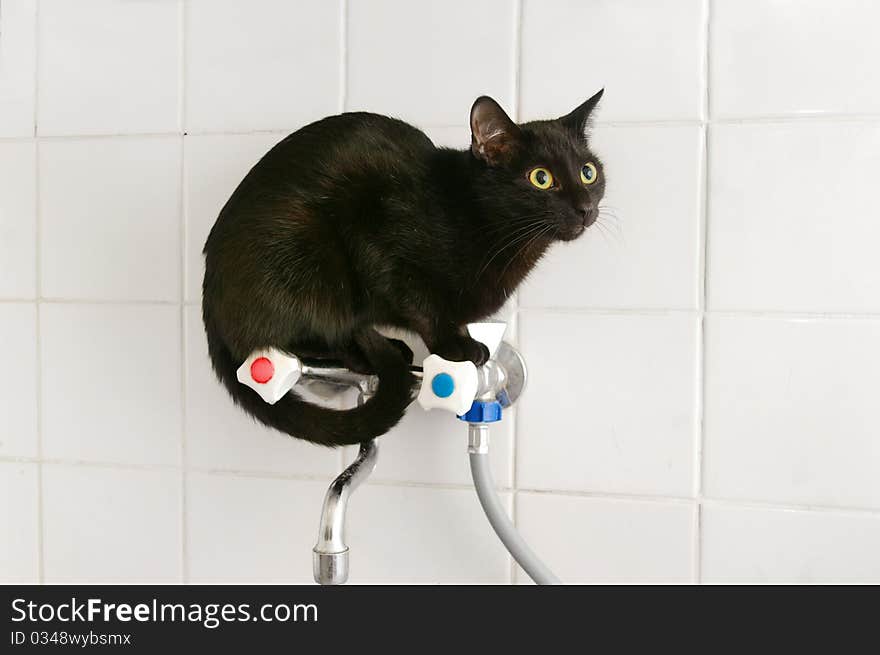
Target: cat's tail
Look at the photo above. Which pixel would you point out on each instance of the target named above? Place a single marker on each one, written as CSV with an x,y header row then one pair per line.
x,y
328,427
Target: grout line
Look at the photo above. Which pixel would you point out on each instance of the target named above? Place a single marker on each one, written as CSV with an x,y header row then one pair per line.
x,y
647,311
659,123
516,109
38,331
707,62
703,299
343,55
103,136
38,336
793,315
746,503
660,499
36,66
343,102
41,550
437,486
613,495
520,309
742,313
517,113
182,259
181,73
102,301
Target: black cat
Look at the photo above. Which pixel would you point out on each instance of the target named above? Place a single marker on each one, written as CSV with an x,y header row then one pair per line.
x,y
358,220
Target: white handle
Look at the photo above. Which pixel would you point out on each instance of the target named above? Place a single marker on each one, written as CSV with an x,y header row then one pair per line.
x,y
448,385
270,372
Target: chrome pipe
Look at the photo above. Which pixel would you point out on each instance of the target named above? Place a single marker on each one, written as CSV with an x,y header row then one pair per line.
x,y
502,378
330,554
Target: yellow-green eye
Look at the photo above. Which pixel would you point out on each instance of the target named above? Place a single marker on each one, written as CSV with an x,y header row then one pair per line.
x,y
541,178
589,174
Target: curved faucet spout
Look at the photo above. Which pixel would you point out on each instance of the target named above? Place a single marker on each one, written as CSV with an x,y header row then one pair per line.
x,y
330,554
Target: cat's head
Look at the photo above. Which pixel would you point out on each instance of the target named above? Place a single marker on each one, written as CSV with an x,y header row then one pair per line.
x,y
546,168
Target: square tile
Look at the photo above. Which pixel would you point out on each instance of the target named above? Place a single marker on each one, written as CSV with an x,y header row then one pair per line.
x,y
19,548
647,55
781,239
109,67
18,219
214,166
770,546
611,404
429,76
412,535
219,435
111,383
771,58
110,212
606,541
267,529
111,526
791,411
18,59
18,391
645,250
264,64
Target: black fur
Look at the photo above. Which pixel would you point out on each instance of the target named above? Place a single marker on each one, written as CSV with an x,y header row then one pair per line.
x,y
358,220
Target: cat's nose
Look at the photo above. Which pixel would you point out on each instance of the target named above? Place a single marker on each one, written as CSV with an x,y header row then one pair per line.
x,y
589,214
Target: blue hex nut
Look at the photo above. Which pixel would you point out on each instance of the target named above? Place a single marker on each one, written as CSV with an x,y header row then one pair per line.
x,y
483,412
443,385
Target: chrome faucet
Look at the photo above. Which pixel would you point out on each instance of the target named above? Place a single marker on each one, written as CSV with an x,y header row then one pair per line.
x,y
330,554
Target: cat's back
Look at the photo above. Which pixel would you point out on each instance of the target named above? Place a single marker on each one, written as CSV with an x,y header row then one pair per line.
x,y
348,145
338,158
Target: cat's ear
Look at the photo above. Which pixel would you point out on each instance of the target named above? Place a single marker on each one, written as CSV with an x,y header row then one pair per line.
x,y
494,136
576,121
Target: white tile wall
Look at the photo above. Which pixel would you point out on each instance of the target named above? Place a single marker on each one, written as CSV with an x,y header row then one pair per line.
x,y
795,58
578,428
428,536
429,76
710,351
760,545
644,252
245,529
261,64
108,67
111,525
793,217
609,541
791,410
18,219
111,383
648,54
97,242
17,63
19,516
18,392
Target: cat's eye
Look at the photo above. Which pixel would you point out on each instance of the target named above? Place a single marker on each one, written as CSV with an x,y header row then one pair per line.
x,y
541,178
589,174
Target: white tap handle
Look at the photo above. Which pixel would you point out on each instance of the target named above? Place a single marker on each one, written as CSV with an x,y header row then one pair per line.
x,y
270,372
448,385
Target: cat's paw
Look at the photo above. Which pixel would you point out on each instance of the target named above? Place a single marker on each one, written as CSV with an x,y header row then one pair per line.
x,y
463,348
